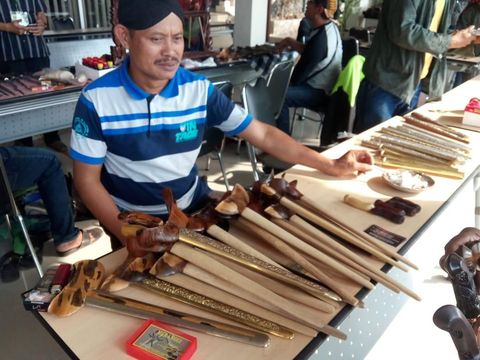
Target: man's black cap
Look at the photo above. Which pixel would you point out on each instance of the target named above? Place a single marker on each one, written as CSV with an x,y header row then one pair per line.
x,y
142,14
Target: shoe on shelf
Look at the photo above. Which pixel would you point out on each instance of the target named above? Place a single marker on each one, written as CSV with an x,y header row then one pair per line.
x,y
9,269
26,261
58,146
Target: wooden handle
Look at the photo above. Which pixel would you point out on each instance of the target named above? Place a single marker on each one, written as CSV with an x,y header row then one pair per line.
x,y
227,238
367,268
219,294
281,246
325,224
387,249
248,236
140,309
357,203
279,288
209,264
206,277
88,275
302,246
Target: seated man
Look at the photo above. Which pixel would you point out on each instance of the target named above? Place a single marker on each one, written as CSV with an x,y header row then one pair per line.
x,y
27,167
304,30
139,128
318,68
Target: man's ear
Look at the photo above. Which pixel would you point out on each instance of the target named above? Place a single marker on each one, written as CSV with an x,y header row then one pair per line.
x,y
122,35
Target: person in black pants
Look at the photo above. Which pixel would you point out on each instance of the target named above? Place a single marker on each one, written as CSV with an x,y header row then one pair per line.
x,y
26,167
319,65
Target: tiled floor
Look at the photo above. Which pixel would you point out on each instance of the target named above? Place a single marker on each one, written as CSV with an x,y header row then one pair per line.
x,y
22,336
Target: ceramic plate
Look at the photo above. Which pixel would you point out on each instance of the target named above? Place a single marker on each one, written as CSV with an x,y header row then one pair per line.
x,y
409,181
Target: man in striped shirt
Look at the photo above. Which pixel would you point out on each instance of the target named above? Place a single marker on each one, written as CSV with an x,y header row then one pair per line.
x,y
139,128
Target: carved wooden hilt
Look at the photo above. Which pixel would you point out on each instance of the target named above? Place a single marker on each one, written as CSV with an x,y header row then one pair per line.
x,y
463,285
452,320
118,52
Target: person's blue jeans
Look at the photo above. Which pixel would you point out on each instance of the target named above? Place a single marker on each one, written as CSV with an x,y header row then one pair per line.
x,y
27,167
375,105
300,96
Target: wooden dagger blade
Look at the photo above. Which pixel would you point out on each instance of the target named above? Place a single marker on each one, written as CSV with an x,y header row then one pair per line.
x,y
215,247
132,307
194,299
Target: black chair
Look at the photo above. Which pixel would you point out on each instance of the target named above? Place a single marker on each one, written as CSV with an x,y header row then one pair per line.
x,y
351,47
264,100
214,139
340,114
63,23
9,207
361,34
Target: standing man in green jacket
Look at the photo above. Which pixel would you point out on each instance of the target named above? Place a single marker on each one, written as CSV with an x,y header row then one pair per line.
x,y
409,34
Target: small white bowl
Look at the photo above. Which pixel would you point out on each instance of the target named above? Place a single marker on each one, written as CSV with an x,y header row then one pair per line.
x,y
409,181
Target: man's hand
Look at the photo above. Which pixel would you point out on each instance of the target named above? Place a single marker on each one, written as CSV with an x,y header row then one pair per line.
x,y
36,29
351,163
284,44
462,38
290,44
16,28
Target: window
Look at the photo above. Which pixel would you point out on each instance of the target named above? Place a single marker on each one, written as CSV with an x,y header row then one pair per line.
x,y
78,14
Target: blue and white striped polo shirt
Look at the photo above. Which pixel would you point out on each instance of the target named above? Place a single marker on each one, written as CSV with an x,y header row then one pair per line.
x,y
146,142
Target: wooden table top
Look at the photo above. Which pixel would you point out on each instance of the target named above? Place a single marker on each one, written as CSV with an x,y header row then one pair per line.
x,y
93,333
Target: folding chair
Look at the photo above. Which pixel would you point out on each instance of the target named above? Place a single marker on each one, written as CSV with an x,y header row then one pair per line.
x,y
214,139
264,100
9,207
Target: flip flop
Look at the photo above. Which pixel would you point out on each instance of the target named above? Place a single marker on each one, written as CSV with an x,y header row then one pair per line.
x,y
89,236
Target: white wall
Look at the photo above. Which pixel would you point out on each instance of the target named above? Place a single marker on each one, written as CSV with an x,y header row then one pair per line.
x,y
250,22
356,19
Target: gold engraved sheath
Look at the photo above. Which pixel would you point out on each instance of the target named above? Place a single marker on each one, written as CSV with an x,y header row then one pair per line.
x,y
192,298
221,249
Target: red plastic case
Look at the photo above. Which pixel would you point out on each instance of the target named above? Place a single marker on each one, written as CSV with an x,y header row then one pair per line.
x,y
155,340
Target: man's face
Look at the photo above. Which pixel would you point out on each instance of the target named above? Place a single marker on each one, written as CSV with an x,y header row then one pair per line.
x,y
156,52
312,10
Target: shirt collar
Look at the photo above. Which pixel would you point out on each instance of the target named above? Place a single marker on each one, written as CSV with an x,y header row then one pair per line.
x,y
169,91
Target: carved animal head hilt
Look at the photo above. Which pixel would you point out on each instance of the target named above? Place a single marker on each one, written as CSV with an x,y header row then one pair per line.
x,y
203,219
176,216
234,202
167,265
88,275
138,218
463,285
285,188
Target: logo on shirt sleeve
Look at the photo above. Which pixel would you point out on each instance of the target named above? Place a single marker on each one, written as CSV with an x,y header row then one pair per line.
x,y
188,131
80,126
